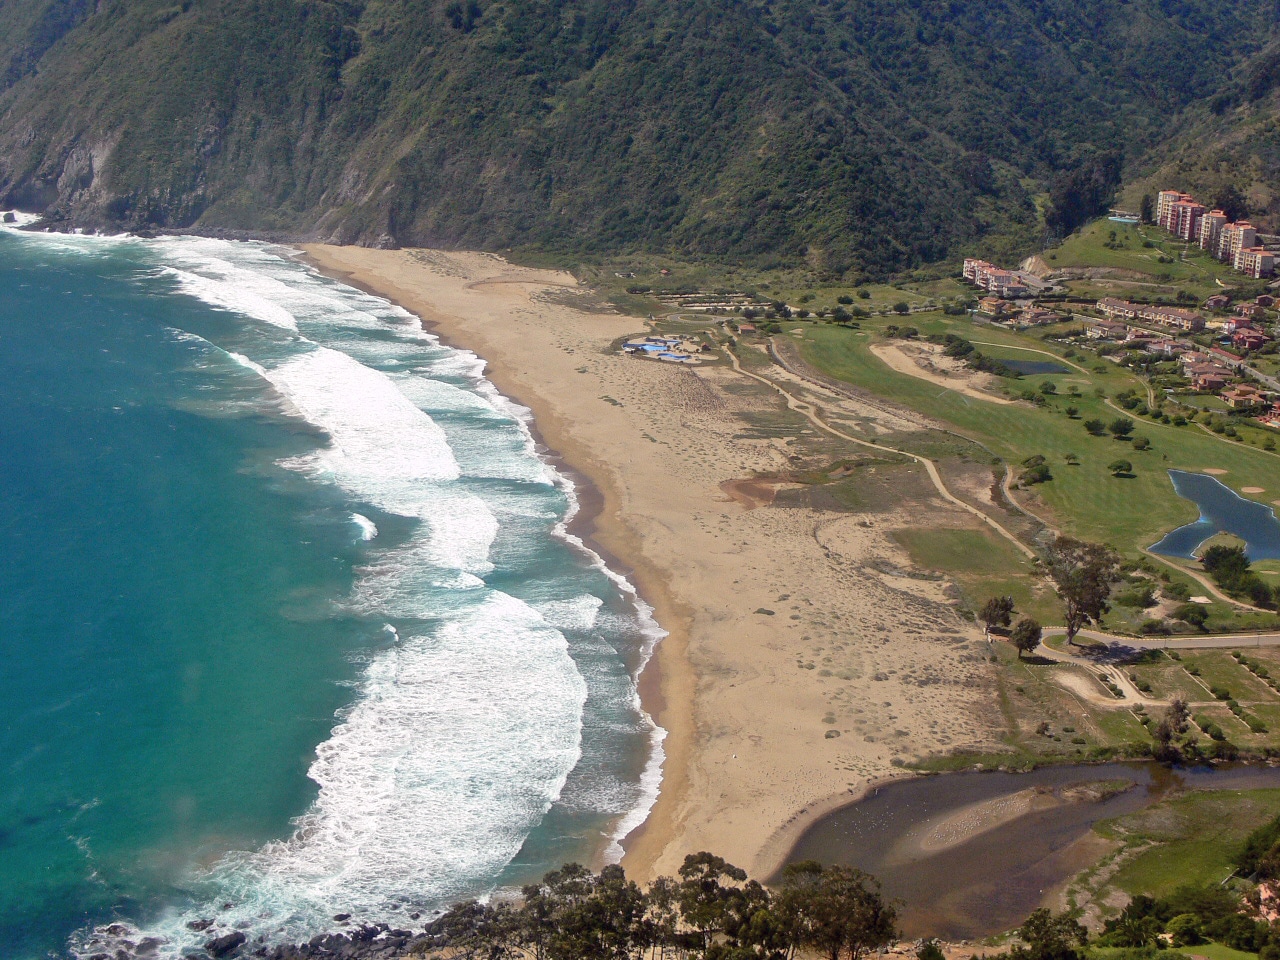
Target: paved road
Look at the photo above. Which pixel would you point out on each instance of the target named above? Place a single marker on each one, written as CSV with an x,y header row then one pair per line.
x,y
1206,642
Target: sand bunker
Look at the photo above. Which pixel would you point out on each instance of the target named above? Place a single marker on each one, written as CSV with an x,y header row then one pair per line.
x,y
1213,471
929,367
1253,489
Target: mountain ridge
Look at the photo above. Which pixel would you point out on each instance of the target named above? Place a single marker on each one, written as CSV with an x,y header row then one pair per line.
x,y
860,138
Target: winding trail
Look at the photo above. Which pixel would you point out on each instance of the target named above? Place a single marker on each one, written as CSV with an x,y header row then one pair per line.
x,y
811,413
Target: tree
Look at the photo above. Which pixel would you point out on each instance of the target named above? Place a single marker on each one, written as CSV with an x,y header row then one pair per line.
x,y
902,307
997,612
1095,427
837,911
1072,459
1026,635
1195,614
1048,388
1072,411
1120,468
1231,202
1046,937
1141,443
704,900
929,950
1120,427
1147,209
1083,573
1184,929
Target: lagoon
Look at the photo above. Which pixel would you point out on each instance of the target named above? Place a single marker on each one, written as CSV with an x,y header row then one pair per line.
x,y
1034,368
1222,510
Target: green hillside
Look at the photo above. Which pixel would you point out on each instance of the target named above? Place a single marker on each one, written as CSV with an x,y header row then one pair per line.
x,y
857,136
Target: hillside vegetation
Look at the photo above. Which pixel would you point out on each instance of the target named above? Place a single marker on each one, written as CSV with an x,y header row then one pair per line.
x,y
857,137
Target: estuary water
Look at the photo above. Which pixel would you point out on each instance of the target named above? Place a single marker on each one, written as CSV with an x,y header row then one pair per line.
x,y
292,623
1222,510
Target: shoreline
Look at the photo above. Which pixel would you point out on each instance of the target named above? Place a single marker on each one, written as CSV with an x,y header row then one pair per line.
x,y
601,530
751,596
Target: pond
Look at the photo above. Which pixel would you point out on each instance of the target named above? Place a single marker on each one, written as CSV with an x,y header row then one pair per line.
x,y
1222,510
972,854
1034,368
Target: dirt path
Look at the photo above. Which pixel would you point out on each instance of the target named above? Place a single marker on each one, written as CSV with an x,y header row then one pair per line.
x,y
808,410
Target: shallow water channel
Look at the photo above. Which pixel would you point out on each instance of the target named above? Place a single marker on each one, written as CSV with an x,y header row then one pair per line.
x,y
972,854
1222,510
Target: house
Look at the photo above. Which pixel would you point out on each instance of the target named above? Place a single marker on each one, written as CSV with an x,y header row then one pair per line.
x,y
747,329
1251,310
1107,330
1208,382
1172,317
1230,359
1219,301
1166,347
993,306
1249,340
1265,300
1037,317
1243,397
1118,309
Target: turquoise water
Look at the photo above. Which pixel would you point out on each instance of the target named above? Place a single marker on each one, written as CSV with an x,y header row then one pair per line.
x,y
1222,510
291,622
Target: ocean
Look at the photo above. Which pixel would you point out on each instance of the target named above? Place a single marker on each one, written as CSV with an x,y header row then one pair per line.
x,y
292,622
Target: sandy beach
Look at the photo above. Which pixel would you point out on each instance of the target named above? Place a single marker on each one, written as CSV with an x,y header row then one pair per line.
x,y
803,661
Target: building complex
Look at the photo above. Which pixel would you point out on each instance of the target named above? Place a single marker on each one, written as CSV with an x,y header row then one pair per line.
x,y
1234,243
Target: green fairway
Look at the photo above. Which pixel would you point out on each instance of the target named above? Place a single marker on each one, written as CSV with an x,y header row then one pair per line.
x,y
1085,499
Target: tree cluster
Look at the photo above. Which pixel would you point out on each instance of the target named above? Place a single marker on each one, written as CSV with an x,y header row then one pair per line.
x,y
1230,569
710,911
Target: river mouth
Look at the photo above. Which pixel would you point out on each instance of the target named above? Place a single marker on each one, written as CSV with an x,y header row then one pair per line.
x,y
1222,510
971,855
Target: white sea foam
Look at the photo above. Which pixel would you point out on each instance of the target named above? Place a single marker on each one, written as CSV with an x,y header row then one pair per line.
x,y
216,292
20,219
457,746
368,529
468,723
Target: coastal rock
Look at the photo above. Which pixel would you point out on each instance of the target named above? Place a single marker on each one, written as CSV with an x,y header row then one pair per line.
x,y
9,217
199,925
224,946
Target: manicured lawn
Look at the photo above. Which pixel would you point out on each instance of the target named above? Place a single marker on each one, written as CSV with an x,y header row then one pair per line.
x,y
1218,951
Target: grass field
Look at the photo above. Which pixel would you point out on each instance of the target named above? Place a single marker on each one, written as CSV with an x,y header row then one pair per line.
x,y
982,565
1189,268
1186,839
1085,499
